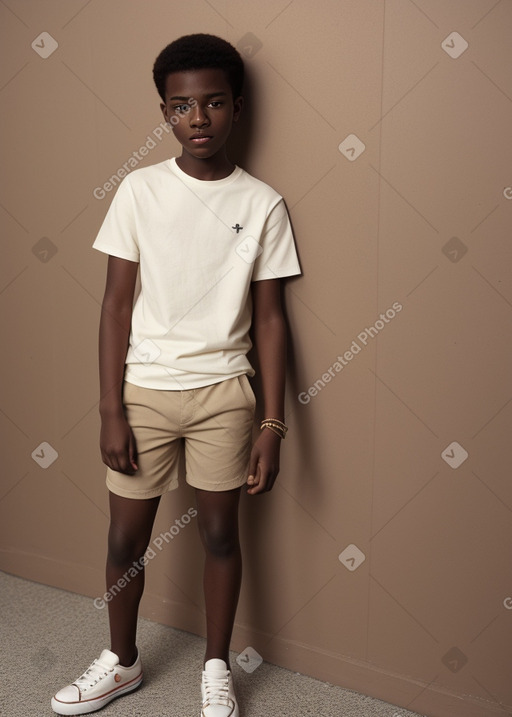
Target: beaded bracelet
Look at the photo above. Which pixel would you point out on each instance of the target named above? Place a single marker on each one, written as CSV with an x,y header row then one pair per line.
x,y
275,422
275,425
274,430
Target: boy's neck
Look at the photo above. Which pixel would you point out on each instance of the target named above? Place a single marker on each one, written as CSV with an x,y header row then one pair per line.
x,y
208,169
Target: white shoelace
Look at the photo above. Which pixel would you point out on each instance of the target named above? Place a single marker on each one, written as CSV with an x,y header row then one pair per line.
x,y
93,674
216,690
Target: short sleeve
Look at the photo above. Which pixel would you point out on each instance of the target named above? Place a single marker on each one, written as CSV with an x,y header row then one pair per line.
x,y
117,235
278,256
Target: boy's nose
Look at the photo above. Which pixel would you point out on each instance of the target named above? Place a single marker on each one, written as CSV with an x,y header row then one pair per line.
x,y
198,118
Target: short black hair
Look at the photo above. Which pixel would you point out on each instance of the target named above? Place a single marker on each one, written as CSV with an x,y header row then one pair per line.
x,y
199,52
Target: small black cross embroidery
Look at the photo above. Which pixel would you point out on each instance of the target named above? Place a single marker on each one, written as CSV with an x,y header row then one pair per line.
x,y
237,227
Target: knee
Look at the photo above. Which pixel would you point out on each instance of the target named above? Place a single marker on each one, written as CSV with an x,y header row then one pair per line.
x,y
124,548
219,541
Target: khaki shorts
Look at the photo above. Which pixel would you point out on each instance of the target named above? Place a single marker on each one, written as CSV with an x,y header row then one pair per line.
x,y
212,425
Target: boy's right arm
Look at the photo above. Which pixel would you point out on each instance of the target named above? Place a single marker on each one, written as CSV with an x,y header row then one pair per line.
x,y
117,443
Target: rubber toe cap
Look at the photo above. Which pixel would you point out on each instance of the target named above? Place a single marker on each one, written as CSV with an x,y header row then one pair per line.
x,y
71,693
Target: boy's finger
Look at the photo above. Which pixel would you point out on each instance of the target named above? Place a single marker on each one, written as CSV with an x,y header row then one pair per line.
x,y
267,480
254,479
262,484
253,465
260,480
133,453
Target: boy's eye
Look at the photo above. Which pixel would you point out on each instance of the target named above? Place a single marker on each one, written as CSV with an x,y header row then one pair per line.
x,y
181,109
215,104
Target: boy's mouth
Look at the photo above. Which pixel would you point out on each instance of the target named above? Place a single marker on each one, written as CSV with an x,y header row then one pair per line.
x,y
200,138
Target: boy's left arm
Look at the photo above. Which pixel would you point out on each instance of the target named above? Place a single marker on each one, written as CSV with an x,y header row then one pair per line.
x,y
269,332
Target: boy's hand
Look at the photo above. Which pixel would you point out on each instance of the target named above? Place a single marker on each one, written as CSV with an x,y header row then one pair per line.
x,y
264,462
117,445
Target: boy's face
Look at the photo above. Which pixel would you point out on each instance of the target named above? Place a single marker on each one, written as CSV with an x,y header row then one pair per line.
x,y
203,125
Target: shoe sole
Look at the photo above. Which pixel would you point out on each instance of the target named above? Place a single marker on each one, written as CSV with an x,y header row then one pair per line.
x,y
235,713
82,708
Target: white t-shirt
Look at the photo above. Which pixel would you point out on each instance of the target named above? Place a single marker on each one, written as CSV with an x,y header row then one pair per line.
x,y
199,245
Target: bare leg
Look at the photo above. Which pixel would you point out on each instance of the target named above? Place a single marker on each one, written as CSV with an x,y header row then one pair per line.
x,y
131,523
218,527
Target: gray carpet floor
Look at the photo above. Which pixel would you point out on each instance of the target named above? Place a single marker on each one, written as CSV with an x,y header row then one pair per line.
x,y
46,645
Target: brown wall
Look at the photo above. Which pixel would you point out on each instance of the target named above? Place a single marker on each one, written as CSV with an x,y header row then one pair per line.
x,y
420,219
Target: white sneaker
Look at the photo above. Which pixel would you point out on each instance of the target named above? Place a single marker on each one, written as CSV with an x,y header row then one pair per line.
x,y
217,691
101,683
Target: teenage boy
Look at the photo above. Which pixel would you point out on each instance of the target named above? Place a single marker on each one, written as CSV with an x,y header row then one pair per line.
x,y
211,243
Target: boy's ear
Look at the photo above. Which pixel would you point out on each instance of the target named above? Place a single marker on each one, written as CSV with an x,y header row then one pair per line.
x,y
237,108
164,110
